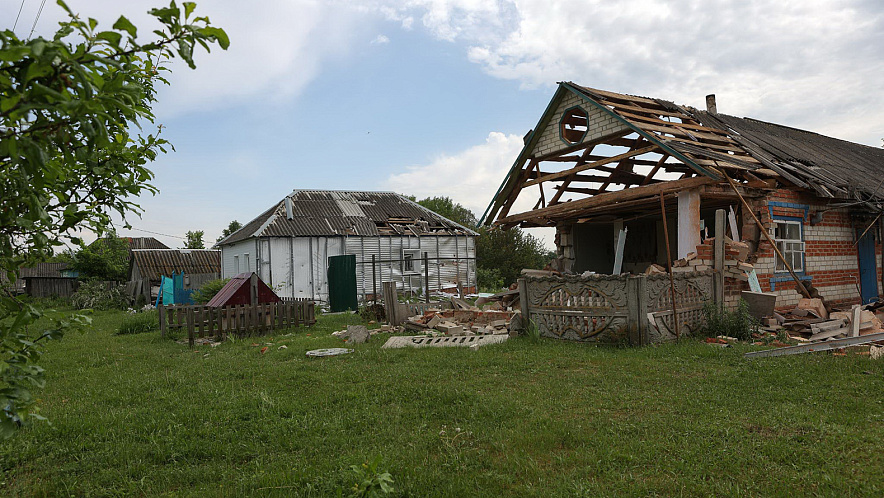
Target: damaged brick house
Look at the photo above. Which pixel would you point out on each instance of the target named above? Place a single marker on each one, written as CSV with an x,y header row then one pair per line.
x,y
600,162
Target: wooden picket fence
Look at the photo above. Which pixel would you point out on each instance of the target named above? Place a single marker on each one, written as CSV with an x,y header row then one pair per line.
x,y
250,319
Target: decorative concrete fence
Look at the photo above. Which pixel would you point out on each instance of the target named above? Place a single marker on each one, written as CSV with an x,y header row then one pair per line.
x,y
618,308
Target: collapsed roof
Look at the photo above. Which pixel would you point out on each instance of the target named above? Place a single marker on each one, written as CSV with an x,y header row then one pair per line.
x,y
321,213
618,142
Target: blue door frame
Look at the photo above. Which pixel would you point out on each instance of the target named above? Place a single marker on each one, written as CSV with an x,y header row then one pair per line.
x,y
868,272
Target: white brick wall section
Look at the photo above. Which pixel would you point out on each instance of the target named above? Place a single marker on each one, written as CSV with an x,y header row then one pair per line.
x,y
600,124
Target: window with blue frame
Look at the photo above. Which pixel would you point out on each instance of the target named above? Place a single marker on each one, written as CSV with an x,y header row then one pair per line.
x,y
789,237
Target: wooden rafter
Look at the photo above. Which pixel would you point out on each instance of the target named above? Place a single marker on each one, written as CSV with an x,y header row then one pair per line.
x,y
654,171
584,167
573,208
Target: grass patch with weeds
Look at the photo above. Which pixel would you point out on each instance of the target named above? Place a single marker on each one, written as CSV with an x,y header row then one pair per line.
x,y
136,414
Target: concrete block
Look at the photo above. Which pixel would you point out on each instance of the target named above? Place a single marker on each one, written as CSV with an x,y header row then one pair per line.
x,y
357,334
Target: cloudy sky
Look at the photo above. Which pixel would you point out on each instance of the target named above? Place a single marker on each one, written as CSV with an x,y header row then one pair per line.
x,y
432,97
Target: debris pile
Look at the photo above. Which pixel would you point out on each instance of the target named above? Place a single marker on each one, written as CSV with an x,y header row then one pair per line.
x,y
816,329
810,322
736,255
358,334
463,322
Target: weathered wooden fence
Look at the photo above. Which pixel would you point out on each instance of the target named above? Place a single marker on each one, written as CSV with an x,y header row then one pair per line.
x,y
616,308
250,319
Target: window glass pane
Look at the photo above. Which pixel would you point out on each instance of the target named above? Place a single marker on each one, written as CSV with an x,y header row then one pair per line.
x,y
793,231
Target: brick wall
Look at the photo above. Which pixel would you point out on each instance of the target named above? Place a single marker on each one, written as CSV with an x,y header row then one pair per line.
x,y
831,259
600,124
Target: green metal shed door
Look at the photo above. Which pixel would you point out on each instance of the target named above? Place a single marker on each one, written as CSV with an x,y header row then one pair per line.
x,y
342,283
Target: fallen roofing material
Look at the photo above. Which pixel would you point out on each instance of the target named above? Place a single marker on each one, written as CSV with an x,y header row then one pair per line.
x,y
817,346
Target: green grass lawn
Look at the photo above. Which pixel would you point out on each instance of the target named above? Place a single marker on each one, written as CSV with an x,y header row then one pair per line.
x,y
141,415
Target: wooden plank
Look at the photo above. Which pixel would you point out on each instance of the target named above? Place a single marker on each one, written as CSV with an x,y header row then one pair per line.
x,y
629,194
190,329
618,96
855,321
661,122
577,169
201,320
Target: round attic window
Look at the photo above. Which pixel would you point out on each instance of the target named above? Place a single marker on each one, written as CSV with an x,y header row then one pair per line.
x,y
574,125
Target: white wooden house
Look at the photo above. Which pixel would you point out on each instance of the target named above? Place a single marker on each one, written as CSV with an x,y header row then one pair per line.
x,y
288,245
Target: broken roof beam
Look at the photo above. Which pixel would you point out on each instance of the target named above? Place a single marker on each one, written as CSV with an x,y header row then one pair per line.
x,y
572,208
584,167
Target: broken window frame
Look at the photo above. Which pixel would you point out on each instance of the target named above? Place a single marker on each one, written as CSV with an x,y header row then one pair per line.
x,y
411,261
792,249
570,135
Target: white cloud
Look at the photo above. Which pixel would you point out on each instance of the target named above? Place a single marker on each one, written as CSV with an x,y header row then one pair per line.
x,y
276,48
470,177
380,40
815,64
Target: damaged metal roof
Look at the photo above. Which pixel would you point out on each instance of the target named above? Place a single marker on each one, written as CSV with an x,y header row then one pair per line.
x,y
152,263
320,213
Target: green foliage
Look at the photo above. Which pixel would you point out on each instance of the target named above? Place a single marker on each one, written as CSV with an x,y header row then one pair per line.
x,y
194,240
509,252
71,108
490,279
450,209
373,312
205,293
227,232
97,295
737,323
142,321
370,481
19,351
105,259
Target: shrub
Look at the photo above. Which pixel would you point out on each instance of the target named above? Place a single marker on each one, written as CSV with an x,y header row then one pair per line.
x,y
205,293
721,321
374,312
490,280
94,294
137,323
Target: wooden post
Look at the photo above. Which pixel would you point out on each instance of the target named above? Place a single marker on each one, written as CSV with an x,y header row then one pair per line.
x,y
190,330
798,283
427,278
162,310
374,280
718,283
391,300
253,286
669,267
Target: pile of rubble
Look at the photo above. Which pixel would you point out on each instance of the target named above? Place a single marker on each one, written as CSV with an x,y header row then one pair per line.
x,y
357,334
811,322
463,322
736,254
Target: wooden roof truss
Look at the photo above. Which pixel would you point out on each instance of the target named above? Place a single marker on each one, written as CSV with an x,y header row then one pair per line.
x,y
663,142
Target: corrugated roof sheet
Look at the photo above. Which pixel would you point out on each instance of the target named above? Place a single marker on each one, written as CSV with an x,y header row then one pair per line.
x,y
152,263
318,213
44,270
819,160
145,243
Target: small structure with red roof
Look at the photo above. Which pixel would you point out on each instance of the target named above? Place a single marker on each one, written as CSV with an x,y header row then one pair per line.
x,y
244,288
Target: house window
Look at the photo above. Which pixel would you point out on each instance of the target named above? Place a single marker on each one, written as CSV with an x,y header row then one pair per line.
x,y
411,261
236,265
248,263
574,125
789,236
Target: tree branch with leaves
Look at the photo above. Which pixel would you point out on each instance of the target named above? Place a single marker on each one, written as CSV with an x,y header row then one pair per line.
x,y
72,155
